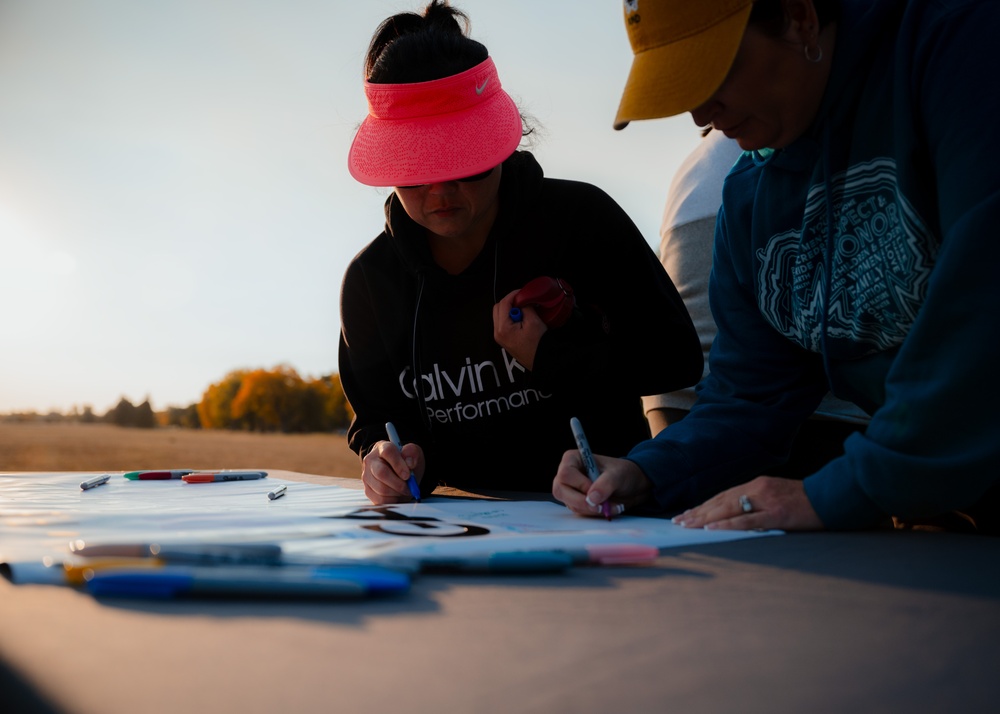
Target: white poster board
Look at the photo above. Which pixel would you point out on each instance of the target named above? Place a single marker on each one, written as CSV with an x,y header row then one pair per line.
x,y
41,515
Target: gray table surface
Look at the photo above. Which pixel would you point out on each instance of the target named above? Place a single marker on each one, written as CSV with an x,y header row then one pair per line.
x,y
819,622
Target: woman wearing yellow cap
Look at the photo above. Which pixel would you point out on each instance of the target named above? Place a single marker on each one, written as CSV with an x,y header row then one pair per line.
x,y
855,252
482,397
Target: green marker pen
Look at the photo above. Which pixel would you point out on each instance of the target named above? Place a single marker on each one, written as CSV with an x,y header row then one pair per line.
x,y
157,475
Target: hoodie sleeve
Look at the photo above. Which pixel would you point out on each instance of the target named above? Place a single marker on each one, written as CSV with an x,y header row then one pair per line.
x,y
364,369
631,332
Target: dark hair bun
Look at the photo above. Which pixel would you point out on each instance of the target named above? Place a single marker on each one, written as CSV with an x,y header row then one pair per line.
x,y
417,48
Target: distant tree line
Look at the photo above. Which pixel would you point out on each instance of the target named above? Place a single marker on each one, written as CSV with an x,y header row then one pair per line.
x,y
127,414
275,400
265,400
122,414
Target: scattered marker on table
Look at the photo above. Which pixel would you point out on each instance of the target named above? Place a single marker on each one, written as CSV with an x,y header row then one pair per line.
x,y
162,475
296,582
94,482
515,563
212,476
277,493
191,553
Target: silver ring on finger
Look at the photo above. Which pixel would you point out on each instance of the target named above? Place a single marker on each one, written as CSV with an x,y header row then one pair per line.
x,y
745,504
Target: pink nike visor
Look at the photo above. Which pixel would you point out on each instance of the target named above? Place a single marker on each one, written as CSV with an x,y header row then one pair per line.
x,y
441,130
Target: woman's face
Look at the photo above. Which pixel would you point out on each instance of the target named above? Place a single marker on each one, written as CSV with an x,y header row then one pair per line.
x,y
454,209
770,96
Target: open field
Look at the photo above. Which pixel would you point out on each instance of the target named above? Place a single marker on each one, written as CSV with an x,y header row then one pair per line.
x,y
103,447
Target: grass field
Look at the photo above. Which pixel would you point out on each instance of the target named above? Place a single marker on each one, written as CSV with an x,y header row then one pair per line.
x,y
102,447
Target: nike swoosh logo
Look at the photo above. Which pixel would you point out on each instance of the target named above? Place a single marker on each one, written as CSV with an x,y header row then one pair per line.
x,y
480,88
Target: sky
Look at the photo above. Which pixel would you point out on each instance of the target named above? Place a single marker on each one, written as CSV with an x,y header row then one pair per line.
x,y
174,195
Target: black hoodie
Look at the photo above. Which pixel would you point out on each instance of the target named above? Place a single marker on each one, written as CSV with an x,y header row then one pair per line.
x,y
483,421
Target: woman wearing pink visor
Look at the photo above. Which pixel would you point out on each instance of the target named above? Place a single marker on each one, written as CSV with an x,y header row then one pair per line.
x,y
482,396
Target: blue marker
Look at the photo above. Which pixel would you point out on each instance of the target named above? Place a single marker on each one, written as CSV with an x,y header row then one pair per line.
x,y
254,582
515,314
412,481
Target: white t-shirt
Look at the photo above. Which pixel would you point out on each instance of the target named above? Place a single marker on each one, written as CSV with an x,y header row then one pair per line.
x,y
687,233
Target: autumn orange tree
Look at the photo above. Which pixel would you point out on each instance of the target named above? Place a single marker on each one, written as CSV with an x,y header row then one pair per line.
x,y
327,404
277,399
215,407
269,400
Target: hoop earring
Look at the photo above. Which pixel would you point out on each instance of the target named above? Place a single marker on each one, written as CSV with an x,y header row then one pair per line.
x,y
807,51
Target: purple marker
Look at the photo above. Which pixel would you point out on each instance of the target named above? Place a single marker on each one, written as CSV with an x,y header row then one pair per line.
x,y
588,460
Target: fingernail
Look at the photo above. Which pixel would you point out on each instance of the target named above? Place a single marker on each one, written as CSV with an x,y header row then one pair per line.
x,y
411,463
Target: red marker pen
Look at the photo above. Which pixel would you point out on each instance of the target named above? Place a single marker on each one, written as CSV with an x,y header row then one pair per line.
x,y
210,477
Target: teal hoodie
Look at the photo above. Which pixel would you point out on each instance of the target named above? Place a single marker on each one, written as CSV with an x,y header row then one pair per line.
x,y
861,259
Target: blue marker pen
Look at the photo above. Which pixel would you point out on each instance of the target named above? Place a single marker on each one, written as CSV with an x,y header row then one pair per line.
x,y
412,481
248,581
515,314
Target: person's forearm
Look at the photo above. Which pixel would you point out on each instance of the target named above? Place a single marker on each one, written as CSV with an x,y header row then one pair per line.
x,y
659,419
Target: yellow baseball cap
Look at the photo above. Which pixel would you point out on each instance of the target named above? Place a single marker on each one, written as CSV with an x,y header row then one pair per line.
x,y
683,50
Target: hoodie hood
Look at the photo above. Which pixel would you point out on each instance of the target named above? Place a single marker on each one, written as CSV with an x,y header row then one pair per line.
x,y
859,26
